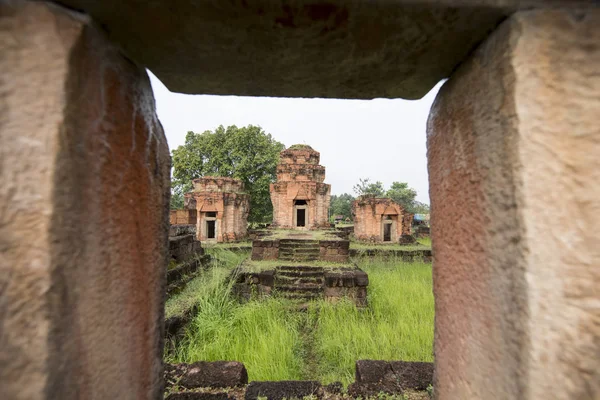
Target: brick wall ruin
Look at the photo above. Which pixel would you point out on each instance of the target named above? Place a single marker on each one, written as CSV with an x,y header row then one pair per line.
x,y
300,198
380,220
183,217
222,208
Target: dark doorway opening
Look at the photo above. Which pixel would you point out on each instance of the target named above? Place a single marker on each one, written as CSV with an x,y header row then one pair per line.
x,y
300,209
300,217
387,232
211,229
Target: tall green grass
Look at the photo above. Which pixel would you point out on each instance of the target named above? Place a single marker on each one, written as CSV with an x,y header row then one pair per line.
x,y
275,342
264,335
425,241
223,261
397,325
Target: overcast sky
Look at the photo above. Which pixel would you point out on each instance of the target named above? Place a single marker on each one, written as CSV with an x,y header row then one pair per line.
x,y
378,139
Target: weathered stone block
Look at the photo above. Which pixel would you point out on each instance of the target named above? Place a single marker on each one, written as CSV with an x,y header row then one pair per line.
x,y
283,390
214,374
82,309
267,278
412,374
513,144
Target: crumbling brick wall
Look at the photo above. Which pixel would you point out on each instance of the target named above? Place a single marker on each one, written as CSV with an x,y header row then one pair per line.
x,y
370,214
182,217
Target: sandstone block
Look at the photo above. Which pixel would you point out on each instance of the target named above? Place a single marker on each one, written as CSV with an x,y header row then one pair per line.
x,y
80,143
283,390
214,374
513,144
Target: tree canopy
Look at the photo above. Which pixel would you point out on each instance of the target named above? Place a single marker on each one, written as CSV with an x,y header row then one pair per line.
x,y
247,153
342,205
365,187
400,192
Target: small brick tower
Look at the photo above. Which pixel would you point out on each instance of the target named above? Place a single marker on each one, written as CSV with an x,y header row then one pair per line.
x,y
300,198
222,208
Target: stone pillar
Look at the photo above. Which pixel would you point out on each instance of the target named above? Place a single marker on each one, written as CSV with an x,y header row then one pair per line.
x,y
84,191
514,166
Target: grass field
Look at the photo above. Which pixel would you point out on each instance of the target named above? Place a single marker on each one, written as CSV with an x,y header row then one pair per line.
x,y
275,342
422,244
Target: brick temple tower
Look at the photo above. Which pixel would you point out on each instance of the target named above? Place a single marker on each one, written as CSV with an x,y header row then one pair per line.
x,y
380,220
222,208
300,198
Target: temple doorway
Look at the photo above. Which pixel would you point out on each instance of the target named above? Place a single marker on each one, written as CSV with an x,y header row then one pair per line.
x,y
387,229
300,211
211,225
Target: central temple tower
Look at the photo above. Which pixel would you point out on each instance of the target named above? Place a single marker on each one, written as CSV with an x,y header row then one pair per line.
x,y
300,198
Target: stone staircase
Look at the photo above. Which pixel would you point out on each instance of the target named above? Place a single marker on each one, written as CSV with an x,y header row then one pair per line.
x,y
301,283
298,250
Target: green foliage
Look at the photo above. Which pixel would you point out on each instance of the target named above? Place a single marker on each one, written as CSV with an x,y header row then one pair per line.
x,y
425,241
398,325
365,187
430,391
402,194
342,205
275,342
247,153
176,200
206,284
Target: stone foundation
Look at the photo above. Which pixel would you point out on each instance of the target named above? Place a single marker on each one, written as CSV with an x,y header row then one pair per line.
x,y
334,250
265,250
301,249
182,248
303,283
228,380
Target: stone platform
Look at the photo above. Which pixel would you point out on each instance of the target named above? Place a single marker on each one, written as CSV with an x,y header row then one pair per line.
x,y
300,246
301,282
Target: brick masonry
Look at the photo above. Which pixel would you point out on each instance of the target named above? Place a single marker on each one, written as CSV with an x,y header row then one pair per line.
x,y
371,214
182,217
225,197
300,178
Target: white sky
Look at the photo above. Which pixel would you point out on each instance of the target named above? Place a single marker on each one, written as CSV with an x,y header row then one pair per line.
x,y
378,139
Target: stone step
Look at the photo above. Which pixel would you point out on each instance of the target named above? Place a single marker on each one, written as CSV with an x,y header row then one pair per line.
x,y
299,274
296,241
300,252
294,280
307,268
292,248
297,258
301,296
299,248
301,288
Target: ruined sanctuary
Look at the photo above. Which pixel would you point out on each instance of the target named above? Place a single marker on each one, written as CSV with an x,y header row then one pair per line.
x,y
381,220
221,208
300,237
300,197
512,156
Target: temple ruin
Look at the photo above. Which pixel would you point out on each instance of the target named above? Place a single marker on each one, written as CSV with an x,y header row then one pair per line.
x,y
380,220
222,208
300,198
512,144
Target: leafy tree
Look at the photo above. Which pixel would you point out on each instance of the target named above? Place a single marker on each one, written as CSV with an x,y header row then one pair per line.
x,y
246,153
364,187
402,194
420,208
342,205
